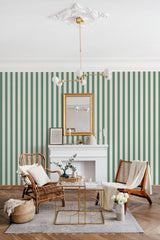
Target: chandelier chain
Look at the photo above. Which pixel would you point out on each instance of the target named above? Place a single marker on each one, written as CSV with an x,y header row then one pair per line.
x,y
80,42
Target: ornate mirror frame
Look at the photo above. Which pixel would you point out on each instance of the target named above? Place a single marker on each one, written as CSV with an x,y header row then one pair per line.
x,y
65,113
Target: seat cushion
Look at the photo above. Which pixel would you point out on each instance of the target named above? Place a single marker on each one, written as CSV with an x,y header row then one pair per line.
x,y
39,175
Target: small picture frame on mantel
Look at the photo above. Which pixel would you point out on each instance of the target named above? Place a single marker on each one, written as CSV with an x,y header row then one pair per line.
x,y
55,136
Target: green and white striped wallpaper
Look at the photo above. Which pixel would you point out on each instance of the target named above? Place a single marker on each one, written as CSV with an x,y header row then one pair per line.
x,y
127,107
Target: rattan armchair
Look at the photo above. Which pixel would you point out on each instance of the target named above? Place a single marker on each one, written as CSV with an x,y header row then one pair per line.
x,y
48,192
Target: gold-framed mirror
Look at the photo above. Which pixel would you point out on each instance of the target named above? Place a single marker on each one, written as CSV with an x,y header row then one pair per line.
x,y
78,114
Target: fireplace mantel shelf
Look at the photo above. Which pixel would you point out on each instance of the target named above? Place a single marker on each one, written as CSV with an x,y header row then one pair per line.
x,y
77,146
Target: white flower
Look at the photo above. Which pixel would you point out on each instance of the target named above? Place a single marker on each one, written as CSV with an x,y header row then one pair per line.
x,y
120,194
120,198
124,199
126,195
120,202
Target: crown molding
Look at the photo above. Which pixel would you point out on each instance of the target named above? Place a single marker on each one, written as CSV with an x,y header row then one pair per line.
x,y
72,64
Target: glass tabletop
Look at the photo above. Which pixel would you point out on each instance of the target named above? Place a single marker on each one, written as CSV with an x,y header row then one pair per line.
x,y
86,185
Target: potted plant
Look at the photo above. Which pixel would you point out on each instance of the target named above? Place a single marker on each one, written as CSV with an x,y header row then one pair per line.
x,y
120,199
67,166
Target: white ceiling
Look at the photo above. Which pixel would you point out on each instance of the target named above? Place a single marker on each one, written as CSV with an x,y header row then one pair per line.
x,y
131,32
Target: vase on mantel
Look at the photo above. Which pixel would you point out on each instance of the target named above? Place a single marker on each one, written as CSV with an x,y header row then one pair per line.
x,y
74,174
64,175
120,212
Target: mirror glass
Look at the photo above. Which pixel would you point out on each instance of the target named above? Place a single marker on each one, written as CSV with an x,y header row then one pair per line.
x,y
78,114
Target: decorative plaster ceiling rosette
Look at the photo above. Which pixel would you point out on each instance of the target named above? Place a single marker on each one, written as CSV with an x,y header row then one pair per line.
x,y
69,15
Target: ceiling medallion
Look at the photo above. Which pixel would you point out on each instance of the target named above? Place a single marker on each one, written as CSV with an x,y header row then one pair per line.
x,y
79,15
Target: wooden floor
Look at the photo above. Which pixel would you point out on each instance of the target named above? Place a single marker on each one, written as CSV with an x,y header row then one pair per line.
x,y
147,217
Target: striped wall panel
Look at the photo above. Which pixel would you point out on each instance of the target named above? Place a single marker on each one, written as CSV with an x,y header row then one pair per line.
x,y
126,116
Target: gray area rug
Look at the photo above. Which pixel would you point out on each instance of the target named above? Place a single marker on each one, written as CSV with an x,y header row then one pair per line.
x,y
44,222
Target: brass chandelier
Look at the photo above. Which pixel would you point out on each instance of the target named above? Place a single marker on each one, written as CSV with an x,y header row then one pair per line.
x,y
81,77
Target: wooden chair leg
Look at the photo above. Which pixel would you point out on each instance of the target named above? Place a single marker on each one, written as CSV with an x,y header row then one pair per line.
x,y
147,197
24,191
37,209
63,202
97,199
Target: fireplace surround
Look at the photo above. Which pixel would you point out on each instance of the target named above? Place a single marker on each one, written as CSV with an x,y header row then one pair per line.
x,y
91,160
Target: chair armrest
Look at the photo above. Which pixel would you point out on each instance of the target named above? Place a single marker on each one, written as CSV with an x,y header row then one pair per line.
x,y
59,173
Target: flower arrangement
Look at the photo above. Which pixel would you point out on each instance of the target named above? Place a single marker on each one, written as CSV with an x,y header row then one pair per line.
x,y
120,198
67,166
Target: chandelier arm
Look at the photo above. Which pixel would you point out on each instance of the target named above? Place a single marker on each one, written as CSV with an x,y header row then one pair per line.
x,y
74,80
95,74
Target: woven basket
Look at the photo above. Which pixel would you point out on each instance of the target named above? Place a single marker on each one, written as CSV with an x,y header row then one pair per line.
x,y
23,213
71,179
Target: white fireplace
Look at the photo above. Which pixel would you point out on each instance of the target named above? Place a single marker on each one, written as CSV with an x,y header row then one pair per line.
x,y
91,160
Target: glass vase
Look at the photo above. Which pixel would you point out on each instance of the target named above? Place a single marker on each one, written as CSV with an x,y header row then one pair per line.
x,y
74,174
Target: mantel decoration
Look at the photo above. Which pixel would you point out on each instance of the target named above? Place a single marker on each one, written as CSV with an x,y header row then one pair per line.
x,y
81,16
120,199
67,165
55,136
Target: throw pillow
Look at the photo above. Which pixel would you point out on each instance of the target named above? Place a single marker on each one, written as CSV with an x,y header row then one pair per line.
x,y
39,175
23,170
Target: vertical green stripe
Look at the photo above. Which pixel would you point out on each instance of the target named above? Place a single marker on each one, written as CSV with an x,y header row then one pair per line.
x,y
26,76
82,92
144,117
73,92
98,108
21,109
16,127
6,127
57,103
159,125
42,112
108,129
11,127
103,109
62,92
124,115
47,81
134,116
31,107
77,92
87,82
139,134
37,85
52,104
21,102
149,116
67,90
118,122
154,127
1,128
113,126
128,116
93,102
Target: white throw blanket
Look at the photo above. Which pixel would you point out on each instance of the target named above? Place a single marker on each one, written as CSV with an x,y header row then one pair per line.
x,y
10,205
135,177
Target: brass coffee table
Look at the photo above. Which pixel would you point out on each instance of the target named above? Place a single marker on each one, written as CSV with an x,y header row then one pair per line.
x,y
85,212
